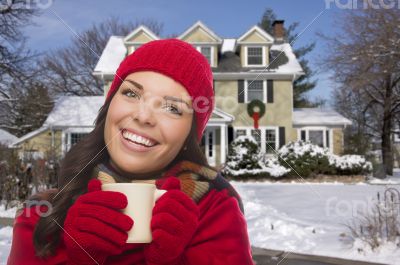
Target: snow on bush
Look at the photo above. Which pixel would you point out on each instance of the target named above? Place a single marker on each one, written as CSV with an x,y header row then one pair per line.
x,y
295,158
350,162
246,161
305,159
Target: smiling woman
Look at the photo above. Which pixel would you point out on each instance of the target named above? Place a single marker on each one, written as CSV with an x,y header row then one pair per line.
x,y
138,115
148,130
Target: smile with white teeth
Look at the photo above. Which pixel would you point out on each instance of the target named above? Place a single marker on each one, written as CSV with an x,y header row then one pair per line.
x,y
137,139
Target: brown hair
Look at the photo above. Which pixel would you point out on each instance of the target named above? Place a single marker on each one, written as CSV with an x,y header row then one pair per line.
x,y
75,173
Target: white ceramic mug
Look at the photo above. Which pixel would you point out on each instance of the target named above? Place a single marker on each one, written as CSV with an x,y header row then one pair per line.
x,y
141,199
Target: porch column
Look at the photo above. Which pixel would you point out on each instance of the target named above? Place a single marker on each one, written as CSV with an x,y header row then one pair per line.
x,y
223,142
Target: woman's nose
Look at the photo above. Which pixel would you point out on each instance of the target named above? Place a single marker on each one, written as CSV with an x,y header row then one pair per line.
x,y
145,114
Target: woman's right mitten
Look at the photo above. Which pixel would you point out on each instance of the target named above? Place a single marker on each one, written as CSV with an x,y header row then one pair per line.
x,y
94,227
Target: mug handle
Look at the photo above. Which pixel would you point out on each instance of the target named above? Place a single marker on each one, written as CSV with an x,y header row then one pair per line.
x,y
158,193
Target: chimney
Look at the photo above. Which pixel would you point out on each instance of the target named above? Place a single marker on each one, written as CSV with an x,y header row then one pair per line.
x,y
279,30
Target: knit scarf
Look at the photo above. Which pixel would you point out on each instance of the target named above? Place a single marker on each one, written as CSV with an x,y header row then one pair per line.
x,y
196,180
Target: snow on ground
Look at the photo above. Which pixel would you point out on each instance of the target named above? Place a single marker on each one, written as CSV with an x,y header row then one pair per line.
x,y
5,243
395,179
301,218
10,213
309,218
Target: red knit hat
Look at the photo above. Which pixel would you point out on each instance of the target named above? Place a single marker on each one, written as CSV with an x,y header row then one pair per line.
x,y
180,61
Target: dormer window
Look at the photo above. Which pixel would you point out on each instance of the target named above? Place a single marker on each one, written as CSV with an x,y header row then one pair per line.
x,y
207,51
255,56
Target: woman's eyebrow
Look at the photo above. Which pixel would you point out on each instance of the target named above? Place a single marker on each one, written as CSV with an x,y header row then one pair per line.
x,y
139,86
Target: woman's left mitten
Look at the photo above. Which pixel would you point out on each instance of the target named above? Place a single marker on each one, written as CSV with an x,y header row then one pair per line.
x,y
174,222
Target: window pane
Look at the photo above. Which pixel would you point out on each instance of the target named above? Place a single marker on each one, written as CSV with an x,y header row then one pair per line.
x,y
255,90
206,51
76,137
240,132
254,55
256,133
316,137
270,141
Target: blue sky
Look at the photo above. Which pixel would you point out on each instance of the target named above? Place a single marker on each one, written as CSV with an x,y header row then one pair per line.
x,y
228,19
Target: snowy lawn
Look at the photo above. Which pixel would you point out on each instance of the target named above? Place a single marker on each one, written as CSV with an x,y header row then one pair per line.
x,y
308,218
303,218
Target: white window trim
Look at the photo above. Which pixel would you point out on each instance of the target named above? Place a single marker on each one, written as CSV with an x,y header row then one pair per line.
x,y
263,135
67,133
264,100
263,56
198,48
324,129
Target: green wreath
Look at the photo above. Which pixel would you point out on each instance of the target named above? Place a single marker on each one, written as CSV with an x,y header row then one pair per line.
x,y
256,103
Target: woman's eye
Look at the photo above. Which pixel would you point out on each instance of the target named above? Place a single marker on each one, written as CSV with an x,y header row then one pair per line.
x,y
130,93
174,109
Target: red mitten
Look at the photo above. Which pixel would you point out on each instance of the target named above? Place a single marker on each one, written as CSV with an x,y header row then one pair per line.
x,y
174,222
94,227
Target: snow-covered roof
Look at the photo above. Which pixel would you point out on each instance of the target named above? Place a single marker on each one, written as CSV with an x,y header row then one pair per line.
x,y
74,111
6,137
293,64
112,56
318,116
228,45
283,62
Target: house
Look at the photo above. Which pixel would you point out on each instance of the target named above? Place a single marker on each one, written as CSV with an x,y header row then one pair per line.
x,y
255,65
72,118
252,66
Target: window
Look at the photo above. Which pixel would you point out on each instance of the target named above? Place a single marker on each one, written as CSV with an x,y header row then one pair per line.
x,y
316,137
266,137
76,137
255,90
207,52
270,141
240,132
320,136
254,56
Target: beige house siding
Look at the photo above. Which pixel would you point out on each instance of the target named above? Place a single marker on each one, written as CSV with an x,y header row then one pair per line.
x,y
140,37
254,37
42,143
337,141
291,135
198,35
278,113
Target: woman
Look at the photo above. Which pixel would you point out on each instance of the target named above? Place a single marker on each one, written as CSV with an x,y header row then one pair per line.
x,y
148,130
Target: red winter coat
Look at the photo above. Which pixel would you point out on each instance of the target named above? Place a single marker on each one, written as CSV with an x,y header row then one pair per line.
x,y
221,237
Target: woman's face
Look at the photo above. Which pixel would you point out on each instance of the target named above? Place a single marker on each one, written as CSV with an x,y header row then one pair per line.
x,y
152,105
